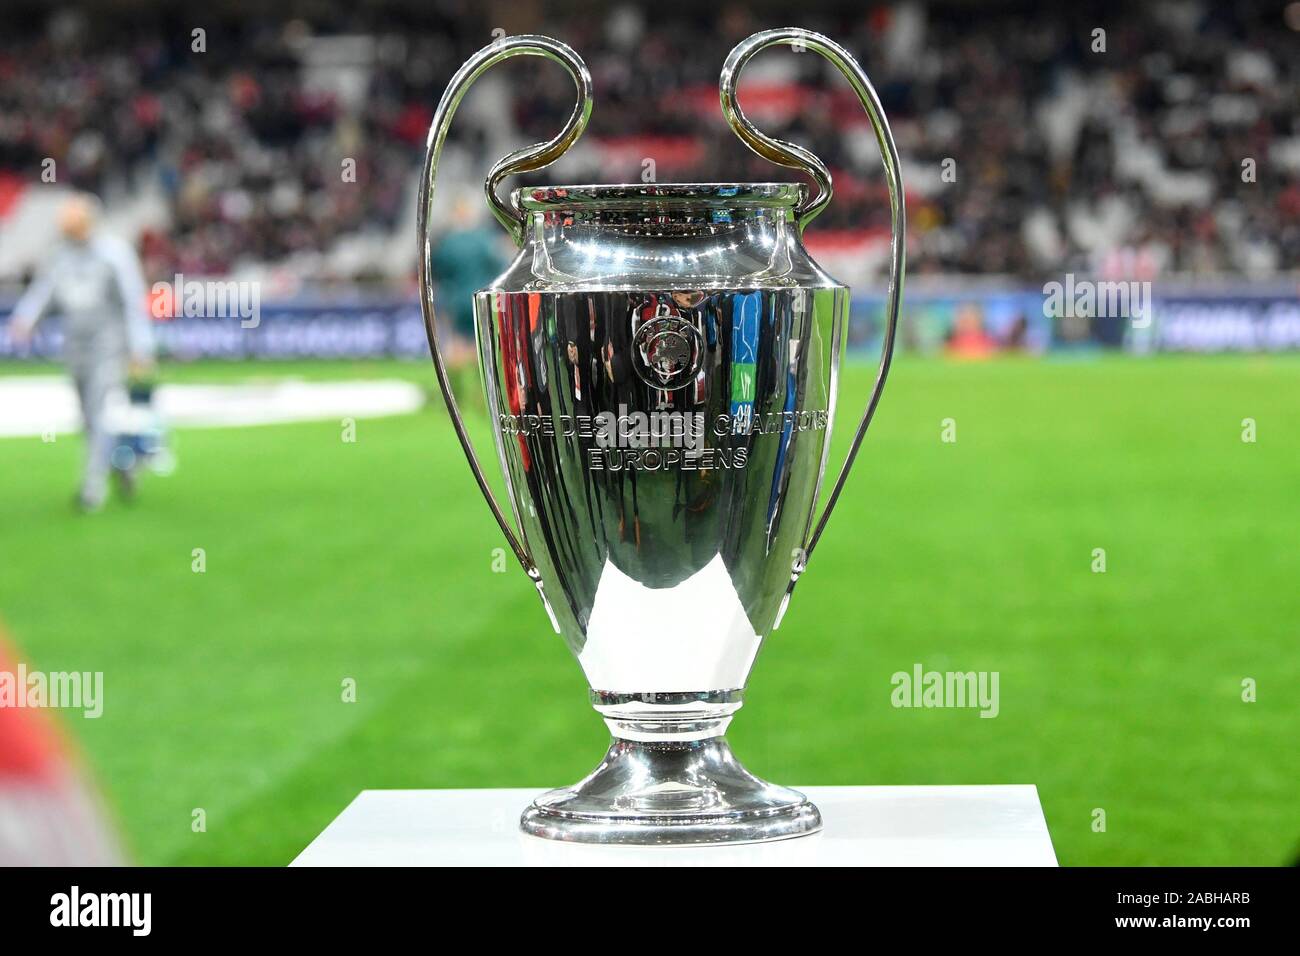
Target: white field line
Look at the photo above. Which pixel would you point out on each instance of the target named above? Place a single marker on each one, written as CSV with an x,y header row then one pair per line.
x,y
38,405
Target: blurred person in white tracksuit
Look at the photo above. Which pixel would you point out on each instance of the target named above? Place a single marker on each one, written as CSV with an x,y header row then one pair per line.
x,y
94,283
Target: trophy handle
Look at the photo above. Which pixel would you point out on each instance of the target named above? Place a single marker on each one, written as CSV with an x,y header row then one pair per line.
x,y
796,157
509,215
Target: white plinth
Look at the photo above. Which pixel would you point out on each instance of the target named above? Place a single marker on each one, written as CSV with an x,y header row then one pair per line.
x,y
864,826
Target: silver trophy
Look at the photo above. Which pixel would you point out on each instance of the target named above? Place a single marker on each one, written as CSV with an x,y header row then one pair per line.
x,y
660,363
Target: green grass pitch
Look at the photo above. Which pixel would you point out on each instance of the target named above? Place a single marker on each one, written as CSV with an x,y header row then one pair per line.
x,y
1120,691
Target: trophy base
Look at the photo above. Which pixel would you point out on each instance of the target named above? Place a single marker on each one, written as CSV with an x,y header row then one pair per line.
x,y
671,793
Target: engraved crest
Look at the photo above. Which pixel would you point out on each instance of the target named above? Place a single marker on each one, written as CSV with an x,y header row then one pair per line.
x,y
667,350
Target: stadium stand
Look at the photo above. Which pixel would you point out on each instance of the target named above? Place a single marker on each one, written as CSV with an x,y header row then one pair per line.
x,y
232,161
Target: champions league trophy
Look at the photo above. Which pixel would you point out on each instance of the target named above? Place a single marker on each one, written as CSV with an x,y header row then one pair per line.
x,y
660,363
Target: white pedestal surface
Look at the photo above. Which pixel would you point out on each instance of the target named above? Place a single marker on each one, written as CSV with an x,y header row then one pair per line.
x,y
863,826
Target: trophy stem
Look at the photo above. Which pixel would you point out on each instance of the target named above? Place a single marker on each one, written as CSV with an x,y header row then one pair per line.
x,y
670,779
662,718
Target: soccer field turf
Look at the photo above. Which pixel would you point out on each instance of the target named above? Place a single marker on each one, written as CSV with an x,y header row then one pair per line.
x,y
1119,691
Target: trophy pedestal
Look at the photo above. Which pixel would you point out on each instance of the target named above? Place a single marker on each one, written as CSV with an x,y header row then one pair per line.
x,y
671,793
863,826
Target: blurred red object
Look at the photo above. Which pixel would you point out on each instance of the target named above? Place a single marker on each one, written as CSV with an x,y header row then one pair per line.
x,y
969,340
49,814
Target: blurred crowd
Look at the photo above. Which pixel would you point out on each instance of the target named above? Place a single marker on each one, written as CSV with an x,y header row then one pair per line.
x,y
1174,147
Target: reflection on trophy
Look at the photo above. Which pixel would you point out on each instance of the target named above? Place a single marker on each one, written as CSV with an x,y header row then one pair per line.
x,y
660,364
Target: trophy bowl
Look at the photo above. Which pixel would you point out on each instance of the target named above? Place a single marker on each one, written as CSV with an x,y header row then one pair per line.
x,y
660,365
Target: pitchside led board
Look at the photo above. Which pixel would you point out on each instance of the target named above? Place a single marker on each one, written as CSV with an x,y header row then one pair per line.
x,y
1000,317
